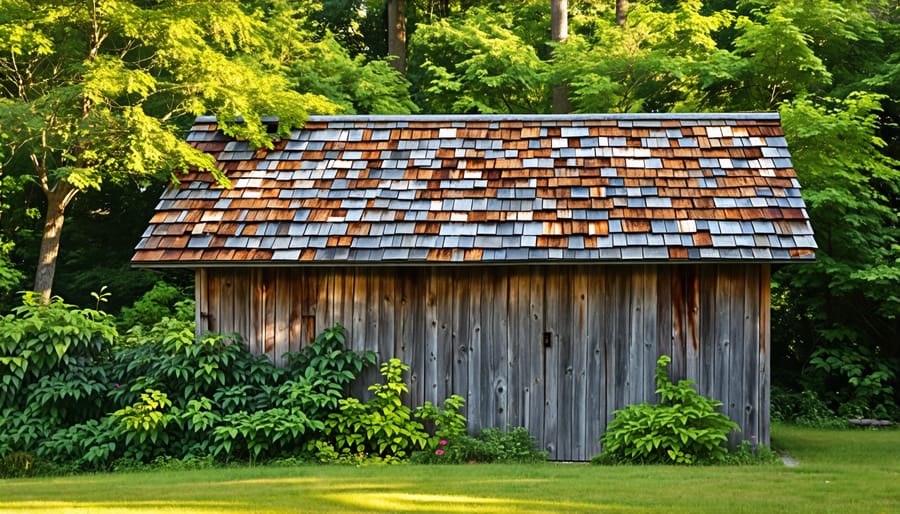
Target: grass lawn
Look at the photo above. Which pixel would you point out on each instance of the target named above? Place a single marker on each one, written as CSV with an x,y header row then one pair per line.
x,y
839,471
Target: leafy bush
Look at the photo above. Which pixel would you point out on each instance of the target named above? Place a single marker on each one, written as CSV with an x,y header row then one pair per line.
x,y
447,422
162,301
682,428
263,433
853,381
39,339
383,426
322,371
805,408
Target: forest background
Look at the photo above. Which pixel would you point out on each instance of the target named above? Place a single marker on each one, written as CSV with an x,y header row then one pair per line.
x,y
96,97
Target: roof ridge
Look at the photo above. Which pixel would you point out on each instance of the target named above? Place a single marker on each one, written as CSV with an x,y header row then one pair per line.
x,y
530,117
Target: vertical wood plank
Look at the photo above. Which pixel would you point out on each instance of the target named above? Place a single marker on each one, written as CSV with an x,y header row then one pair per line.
x,y
649,341
764,353
385,324
445,353
723,370
750,348
311,286
709,342
432,330
635,391
665,312
200,300
521,347
323,295
465,289
402,293
362,303
282,296
579,413
258,314
414,322
269,309
552,377
679,320
242,304
295,311
736,331
617,341
478,397
356,305
692,325
534,352
598,306
348,294
499,347
214,301
226,302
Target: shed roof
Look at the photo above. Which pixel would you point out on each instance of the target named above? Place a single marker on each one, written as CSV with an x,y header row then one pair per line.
x,y
489,189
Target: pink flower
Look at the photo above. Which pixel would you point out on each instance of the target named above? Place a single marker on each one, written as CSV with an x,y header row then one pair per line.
x,y
439,452
117,386
443,442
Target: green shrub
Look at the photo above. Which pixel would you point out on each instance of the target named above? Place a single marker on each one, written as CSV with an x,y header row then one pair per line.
x,y
383,426
91,445
264,433
805,408
447,422
853,381
39,339
321,372
682,428
162,301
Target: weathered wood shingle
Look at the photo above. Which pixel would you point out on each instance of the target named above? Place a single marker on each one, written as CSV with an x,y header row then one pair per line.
x,y
418,189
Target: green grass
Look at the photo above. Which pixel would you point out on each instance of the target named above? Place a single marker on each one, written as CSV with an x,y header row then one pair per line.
x,y
840,471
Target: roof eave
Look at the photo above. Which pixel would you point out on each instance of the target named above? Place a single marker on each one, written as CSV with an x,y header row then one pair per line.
x,y
385,264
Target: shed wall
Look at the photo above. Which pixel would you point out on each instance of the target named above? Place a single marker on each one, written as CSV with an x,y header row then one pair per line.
x,y
553,348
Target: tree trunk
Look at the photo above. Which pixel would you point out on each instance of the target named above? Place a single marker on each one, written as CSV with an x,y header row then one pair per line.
x,y
396,15
559,31
57,200
621,12
559,20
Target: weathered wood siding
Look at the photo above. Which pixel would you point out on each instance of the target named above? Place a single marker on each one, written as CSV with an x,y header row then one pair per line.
x,y
553,348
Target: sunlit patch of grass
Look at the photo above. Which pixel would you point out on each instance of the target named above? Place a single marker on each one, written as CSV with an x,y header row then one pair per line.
x,y
388,502
129,507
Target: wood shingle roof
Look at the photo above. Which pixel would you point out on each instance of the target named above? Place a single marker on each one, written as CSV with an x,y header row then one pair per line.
x,y
491,189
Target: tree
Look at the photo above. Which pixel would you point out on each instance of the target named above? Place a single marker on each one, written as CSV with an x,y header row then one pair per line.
x,y
94,92
621,12
396,19
653,63
559,33
476,62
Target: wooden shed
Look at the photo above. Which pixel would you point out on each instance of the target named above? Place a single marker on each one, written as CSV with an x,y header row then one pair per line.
x,y
536,265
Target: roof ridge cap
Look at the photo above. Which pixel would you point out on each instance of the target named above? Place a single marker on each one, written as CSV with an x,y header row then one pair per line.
x,y
529,117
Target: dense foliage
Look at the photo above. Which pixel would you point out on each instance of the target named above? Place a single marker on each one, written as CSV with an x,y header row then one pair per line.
x,y
683,428
77,395
75,76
